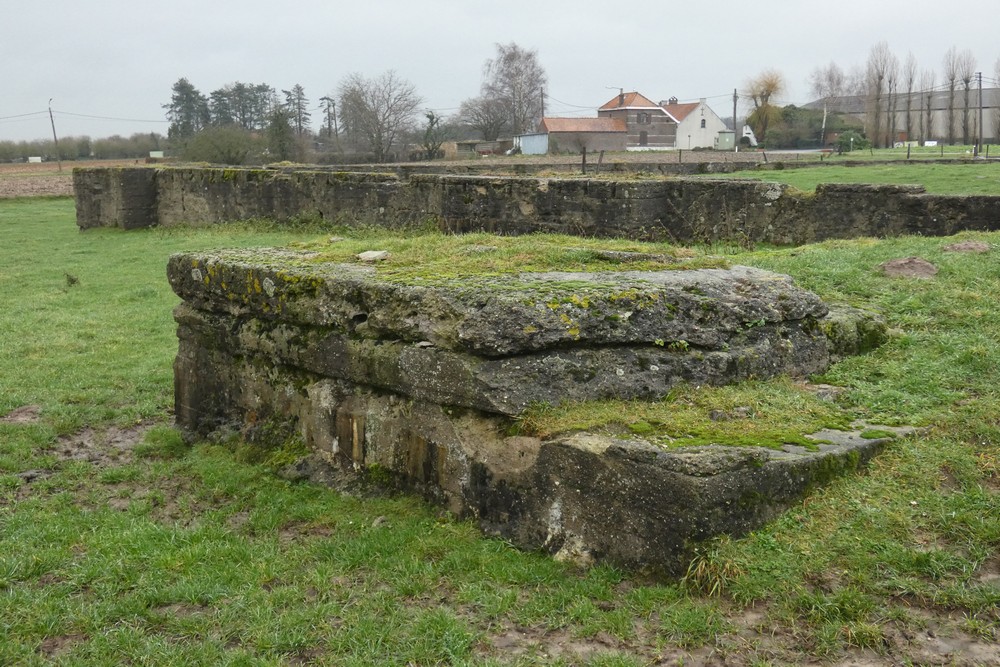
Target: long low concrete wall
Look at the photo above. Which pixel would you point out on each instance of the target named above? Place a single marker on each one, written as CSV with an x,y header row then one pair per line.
x,y
681,210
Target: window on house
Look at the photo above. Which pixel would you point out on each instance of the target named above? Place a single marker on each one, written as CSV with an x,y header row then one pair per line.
x,y
703,123
643,118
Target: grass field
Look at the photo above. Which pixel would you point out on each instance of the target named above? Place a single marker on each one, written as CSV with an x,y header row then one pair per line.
x,y
121,544
943,179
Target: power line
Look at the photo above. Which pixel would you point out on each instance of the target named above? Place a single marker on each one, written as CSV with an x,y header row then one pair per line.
x,y
31,119
22,115
128,120
574,106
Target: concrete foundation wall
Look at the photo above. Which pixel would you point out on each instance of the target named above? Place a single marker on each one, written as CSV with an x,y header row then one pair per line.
x,y
678,210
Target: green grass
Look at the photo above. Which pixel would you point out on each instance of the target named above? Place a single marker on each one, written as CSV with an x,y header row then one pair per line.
x,y
942,179
188,555
940,152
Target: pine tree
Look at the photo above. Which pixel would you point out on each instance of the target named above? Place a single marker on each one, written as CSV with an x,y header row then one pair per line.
x,y
187,112
298,109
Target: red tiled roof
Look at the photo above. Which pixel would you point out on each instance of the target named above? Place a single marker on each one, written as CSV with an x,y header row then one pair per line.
x,y
582,125
680,111
631,100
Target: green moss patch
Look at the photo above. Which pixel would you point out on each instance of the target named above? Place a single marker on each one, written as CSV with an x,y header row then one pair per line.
x,y
428,257
768,414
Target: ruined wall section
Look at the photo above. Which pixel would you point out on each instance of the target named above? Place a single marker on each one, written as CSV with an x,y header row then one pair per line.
x,y
124,198
209,196
676,210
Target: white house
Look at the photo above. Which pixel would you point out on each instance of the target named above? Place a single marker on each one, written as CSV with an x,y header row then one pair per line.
x,y
697,125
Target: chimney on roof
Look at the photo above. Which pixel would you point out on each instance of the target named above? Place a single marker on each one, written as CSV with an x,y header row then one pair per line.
x,y
672,100
621,98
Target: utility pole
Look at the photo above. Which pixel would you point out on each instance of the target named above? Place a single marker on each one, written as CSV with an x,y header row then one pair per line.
x,y
55,139
737,134
543,103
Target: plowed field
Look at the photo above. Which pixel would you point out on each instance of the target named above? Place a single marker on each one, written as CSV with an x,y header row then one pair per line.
x,y
44,179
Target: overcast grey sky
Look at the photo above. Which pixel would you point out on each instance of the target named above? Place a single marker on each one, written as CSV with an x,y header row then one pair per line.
x,y
119,58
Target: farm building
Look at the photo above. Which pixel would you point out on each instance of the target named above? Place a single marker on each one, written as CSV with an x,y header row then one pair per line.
x,y
574,135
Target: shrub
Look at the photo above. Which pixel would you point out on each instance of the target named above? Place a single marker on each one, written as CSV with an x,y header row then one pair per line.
x,y
845,143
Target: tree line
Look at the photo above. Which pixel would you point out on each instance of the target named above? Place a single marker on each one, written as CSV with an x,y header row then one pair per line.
x,y
370,118
84,148
896,96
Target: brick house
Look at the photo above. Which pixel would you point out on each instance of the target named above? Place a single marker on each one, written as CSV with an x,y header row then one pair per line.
x,y
648,125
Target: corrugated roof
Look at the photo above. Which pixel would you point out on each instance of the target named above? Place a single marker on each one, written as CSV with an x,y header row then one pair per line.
x,y
582,125
680,111
857,104
631,100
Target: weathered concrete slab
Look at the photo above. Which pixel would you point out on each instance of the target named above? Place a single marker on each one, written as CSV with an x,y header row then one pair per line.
x,y
422,382
507,343
496,315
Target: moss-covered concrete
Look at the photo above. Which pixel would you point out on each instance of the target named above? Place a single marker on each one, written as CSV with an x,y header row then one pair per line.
x,y
423,384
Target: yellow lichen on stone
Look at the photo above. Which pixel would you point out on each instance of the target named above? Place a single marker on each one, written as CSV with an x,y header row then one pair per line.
x,y
572,327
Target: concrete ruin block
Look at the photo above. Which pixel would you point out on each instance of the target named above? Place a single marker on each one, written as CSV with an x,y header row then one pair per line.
x,y
424,381
124,198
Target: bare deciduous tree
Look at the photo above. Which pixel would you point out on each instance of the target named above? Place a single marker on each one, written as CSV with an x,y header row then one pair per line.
x,y
516,79
485,115
966,73
435,134
878,72
996,113
892,78
378,110
827,83
760,90
951,77
927,83
910,78
856,83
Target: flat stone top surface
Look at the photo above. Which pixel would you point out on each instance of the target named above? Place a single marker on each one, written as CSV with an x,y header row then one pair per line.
x,y
494,316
